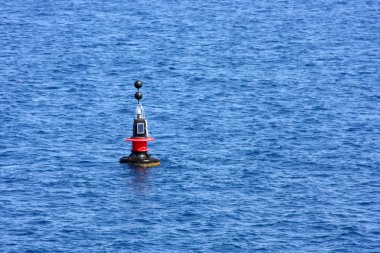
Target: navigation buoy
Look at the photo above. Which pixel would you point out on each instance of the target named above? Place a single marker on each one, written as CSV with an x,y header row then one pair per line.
x,y
140,138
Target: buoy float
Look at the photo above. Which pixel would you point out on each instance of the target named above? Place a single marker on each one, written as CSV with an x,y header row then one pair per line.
x,y
140,138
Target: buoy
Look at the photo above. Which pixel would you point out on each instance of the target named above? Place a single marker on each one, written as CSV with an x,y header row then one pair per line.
x,y
140,138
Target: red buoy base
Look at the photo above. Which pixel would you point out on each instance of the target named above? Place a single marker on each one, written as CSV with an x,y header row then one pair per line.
x,y
139,156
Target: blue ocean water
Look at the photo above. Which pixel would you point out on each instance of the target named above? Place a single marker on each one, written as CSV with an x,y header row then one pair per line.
x,y
266,116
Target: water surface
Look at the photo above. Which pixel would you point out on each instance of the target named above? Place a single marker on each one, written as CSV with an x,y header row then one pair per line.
x,y
265,114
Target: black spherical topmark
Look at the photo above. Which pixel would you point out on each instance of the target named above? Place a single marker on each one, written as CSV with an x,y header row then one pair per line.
x,y
138,95
138,84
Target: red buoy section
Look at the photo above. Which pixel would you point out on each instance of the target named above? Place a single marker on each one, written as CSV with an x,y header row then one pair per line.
x,y
139,144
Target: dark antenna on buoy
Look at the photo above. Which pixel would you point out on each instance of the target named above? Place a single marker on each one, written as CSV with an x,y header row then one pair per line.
x,y
139,139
